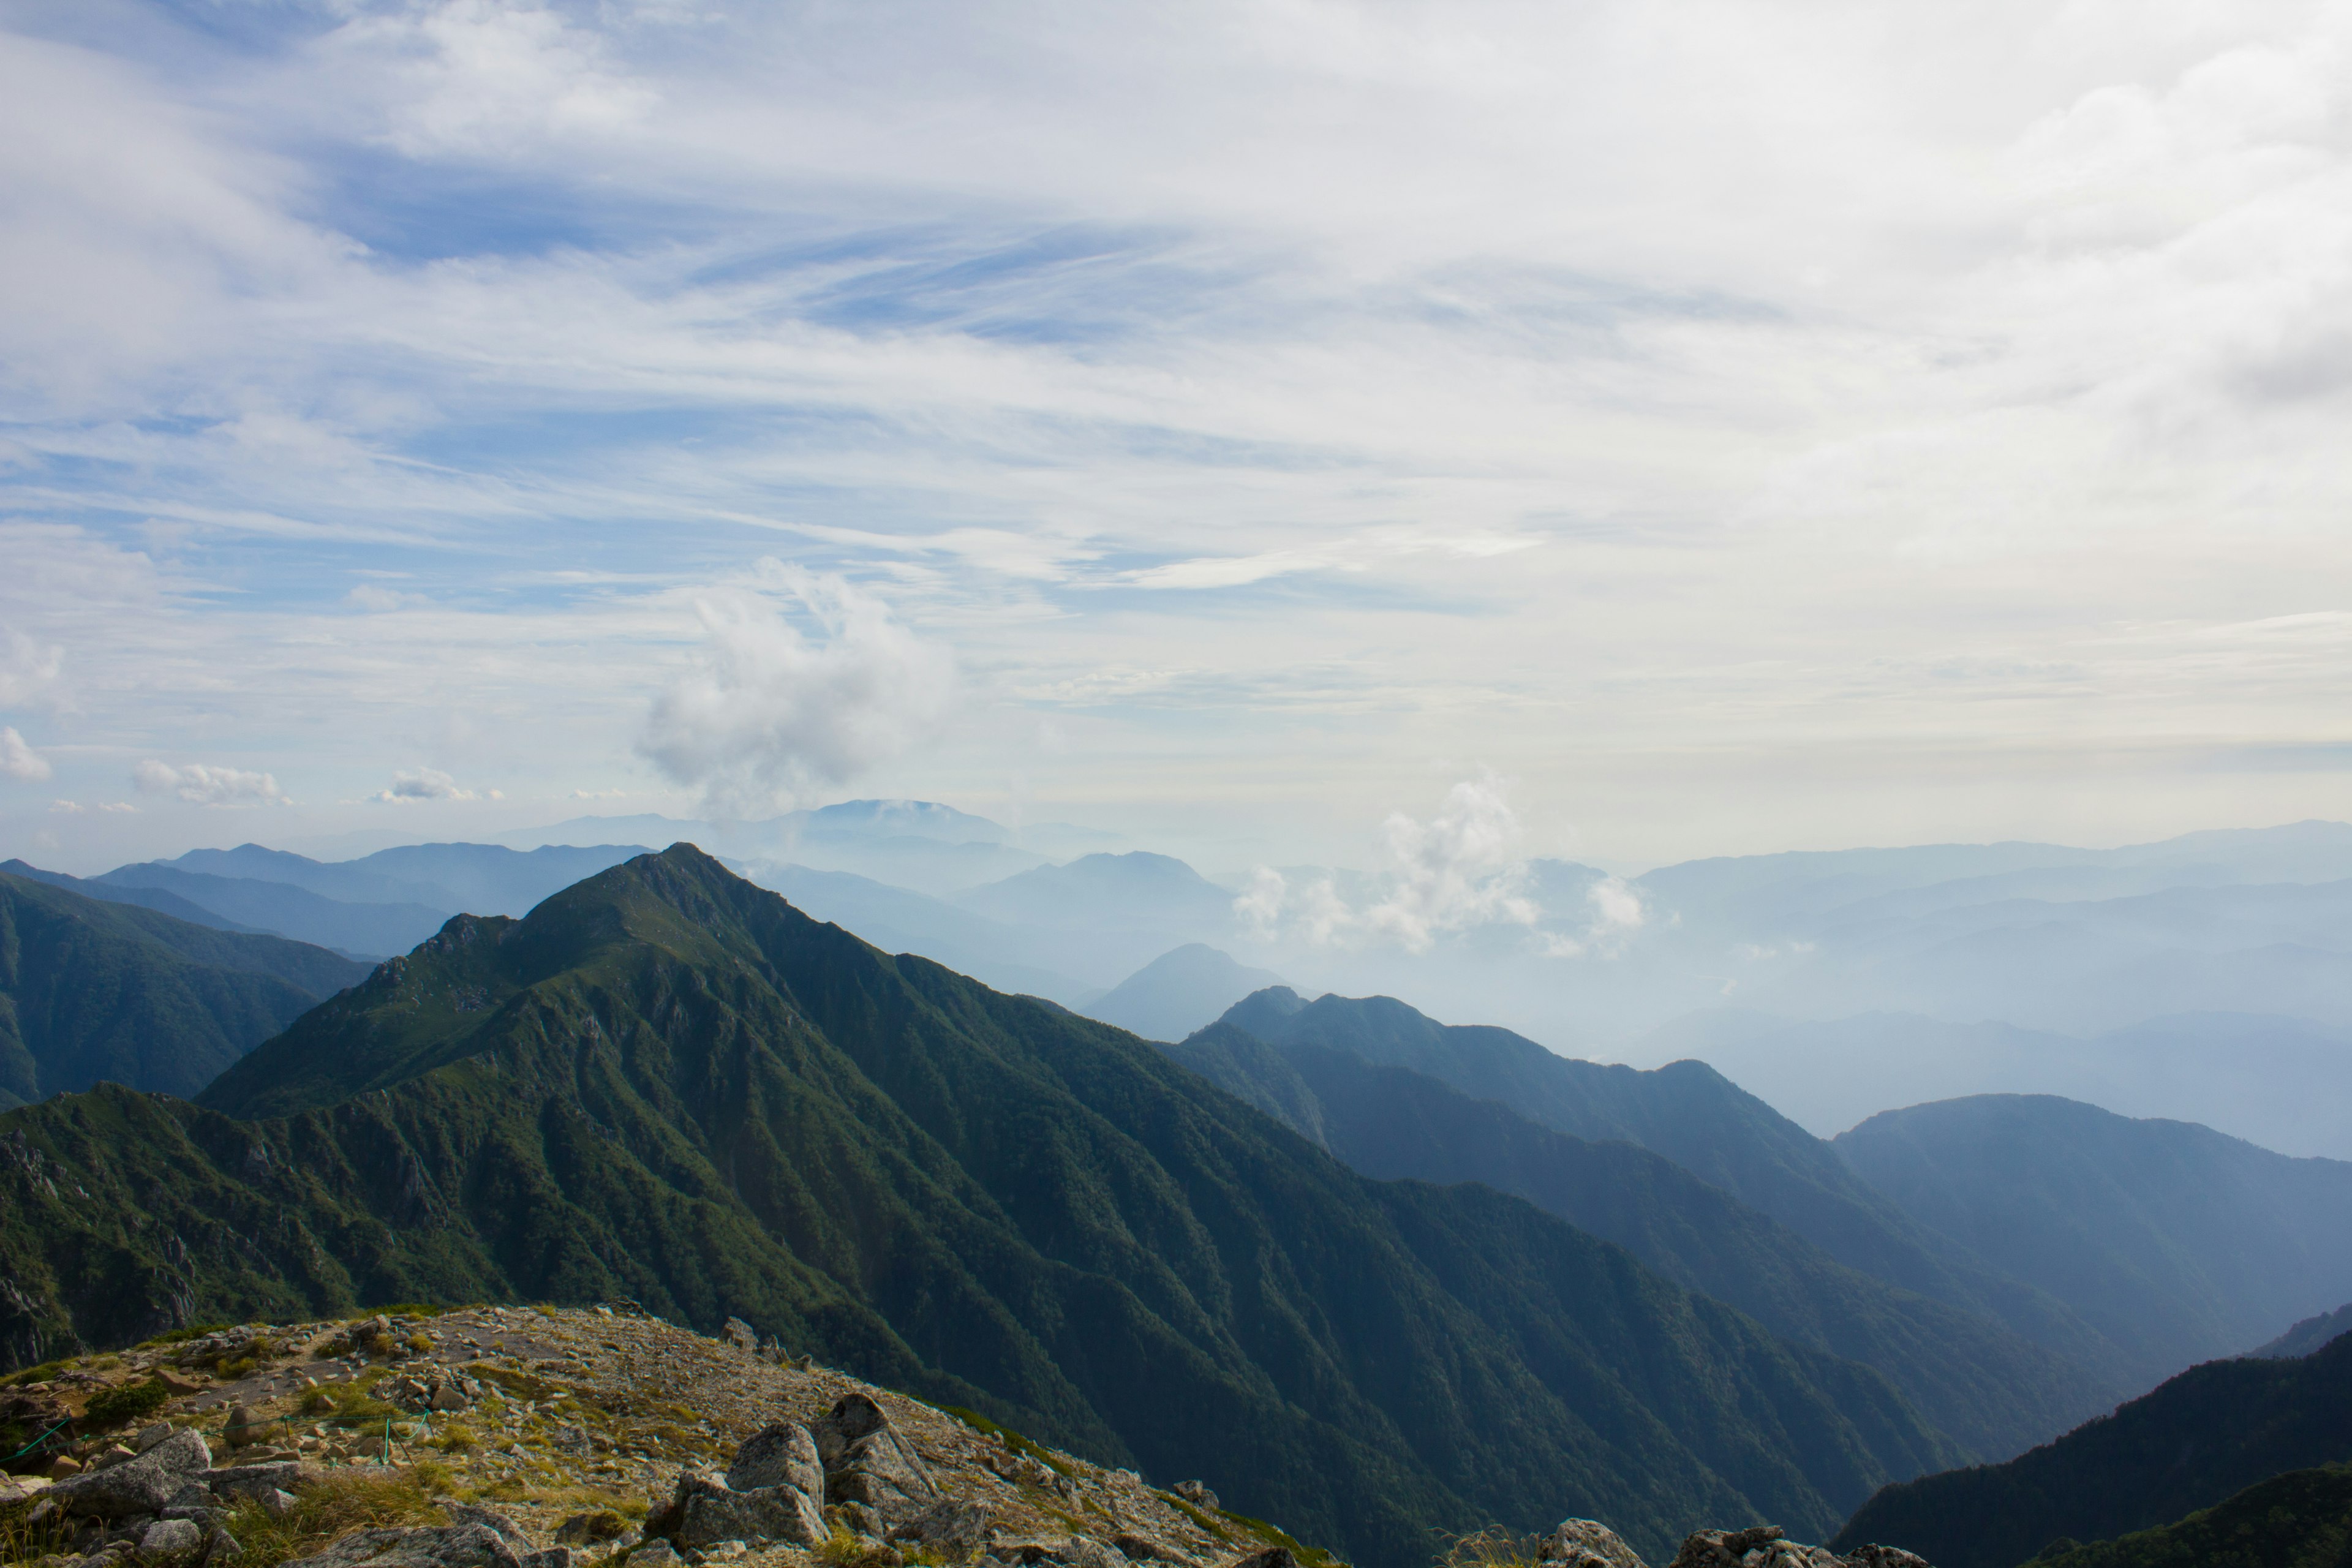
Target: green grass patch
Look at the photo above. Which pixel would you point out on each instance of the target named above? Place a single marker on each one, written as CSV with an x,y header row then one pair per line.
x,y
128,1402
182,1336
1011,1439
41,1373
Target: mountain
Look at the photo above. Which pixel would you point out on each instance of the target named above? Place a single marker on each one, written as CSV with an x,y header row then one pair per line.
x,y
899,920
2300,1520
2224,1070
2177,1243
1993,1391
91,992
2309,1334
478,879
1178,991
667,1083
156,898
287,911
1110,914
2206,1435
1693,1116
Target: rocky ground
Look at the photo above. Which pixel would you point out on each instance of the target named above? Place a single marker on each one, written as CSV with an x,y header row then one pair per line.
x,y
549,1415
538,1438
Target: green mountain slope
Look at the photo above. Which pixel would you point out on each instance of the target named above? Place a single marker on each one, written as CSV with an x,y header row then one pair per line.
x,y
2300,1520
2209,1432
1991,1389
667,1083
1704,1122
91,991
2176,1242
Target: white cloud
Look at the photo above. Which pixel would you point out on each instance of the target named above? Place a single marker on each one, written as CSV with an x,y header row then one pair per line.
x,y
1460,868
428,784
203,784
765,714
28,669
19,761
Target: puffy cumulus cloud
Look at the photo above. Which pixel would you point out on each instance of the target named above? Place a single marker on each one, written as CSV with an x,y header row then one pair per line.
x,y
18,760
428,784
203,784
767,714
1460,868
1614,912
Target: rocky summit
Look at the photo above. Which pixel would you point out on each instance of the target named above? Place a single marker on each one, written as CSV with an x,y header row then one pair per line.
x,y
601,1438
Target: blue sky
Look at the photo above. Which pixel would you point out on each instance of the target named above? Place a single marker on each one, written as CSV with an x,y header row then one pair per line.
x,y
1738,426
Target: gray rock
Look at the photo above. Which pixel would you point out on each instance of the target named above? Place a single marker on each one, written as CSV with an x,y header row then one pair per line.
x,y
1876,1556
548,1557
1272,1557
169,1539
866,1461
1197,1493
1085,1552
1143,1549
276,1504
256,1481
705,1511
489,1518
739,1334
655,1555
1587,1543
151,1436
451,1546
220,1546
953,1527
582,1528
783,1455
192,1492
145,1485
1723,1548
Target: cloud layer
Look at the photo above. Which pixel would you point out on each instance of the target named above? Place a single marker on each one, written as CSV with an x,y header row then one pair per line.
x,y
1743,423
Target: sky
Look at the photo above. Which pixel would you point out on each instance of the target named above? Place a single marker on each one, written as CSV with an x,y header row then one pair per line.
x,y
1725,428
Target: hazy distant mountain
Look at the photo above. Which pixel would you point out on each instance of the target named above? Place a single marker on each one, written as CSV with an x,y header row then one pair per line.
x,y
345,881
1701,1120
897,920
2284,1083
2202,1437
1178,991
670,1084
285,910
1976,1379
155,898
1110,914
93,991
2311,1334
2177,1242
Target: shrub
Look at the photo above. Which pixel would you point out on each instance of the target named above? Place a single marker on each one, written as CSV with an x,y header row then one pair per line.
x,y
126,1402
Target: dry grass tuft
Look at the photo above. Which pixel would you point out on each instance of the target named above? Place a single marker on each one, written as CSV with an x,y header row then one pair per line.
x,y
336,1505
1492,1547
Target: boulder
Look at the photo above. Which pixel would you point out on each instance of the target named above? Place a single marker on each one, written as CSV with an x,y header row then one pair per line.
x,y
783,1455
145,1485
739,1334
434,1546
655,1554
1085,1552
149,1437
548,1557
1587,1543
581,1529
259,1480
489,1518
170,1538
1143,1549
866,1461
1197,1493
705,1511
1272,1557
952,1527
1876,1556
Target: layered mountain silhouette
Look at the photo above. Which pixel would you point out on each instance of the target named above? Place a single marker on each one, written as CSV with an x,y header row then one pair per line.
x,y
2176,1242
2196,1441
92,991
1702,1121
1178,991
1994,1391
667,1083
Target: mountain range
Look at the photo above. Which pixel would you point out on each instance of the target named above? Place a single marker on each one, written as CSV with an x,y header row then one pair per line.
x,y
92,992
2177,1243
2194,1443
667,1083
